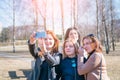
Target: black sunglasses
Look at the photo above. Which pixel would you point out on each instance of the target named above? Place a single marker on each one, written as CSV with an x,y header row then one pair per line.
x,y
90,35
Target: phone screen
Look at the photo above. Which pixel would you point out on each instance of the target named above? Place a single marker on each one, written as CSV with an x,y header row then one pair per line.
x,y
40,34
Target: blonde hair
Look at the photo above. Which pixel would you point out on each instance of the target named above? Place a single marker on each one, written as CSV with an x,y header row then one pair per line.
x,y
74,44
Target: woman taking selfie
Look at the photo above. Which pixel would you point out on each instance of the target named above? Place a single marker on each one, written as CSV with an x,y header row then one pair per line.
x,y
95,66
47,56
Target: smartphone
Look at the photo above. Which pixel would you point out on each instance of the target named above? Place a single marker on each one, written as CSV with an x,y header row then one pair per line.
x,y
40,34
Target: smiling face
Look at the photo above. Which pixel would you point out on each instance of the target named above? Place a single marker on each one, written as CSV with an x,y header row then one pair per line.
x,y
49,42
69,49
89,45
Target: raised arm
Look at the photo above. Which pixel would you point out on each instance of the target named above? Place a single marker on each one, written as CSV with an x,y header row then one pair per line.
x,y
32,50
91,63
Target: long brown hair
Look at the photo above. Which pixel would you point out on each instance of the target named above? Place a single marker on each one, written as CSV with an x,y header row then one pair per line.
x,y
95,40
68,31
56,41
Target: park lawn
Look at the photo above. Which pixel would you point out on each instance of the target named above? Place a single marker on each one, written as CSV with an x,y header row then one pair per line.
x,y
113,67
112,59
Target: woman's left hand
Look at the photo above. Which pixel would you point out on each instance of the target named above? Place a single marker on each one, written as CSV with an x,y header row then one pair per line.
x,y
81,51
42,45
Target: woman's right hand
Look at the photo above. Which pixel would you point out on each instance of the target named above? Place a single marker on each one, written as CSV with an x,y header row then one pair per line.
x,y
32,38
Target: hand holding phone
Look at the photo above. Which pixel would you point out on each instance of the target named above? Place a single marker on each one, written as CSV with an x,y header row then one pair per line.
x,y
32,38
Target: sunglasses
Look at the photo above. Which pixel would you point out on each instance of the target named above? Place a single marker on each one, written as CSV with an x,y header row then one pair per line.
x,y
90,35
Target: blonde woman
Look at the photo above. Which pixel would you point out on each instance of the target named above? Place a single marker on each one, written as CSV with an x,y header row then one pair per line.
x,y
68,66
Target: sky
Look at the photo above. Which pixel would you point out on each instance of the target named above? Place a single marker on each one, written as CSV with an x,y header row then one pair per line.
x,y
25,15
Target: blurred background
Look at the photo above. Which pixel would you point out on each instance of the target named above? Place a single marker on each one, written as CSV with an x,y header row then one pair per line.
x,y
19,18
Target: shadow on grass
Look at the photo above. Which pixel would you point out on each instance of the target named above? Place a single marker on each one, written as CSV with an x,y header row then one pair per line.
x,y
13,75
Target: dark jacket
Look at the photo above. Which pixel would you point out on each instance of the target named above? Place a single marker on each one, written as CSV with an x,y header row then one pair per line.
x,y
68,68
46,67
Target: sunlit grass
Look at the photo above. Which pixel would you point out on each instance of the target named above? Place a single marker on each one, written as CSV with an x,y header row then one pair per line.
x,y
113,67
112,59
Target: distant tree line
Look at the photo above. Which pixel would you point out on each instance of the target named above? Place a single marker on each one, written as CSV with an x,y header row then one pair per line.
x,y
106,24
23,32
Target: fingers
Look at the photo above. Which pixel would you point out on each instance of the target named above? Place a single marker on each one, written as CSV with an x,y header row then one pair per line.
x,y
40,53
32,38
80,50
42,45
40,41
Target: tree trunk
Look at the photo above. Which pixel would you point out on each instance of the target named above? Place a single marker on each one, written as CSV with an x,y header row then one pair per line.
x,y
97,22
62,18
112,30
105,27
53,15
13,26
